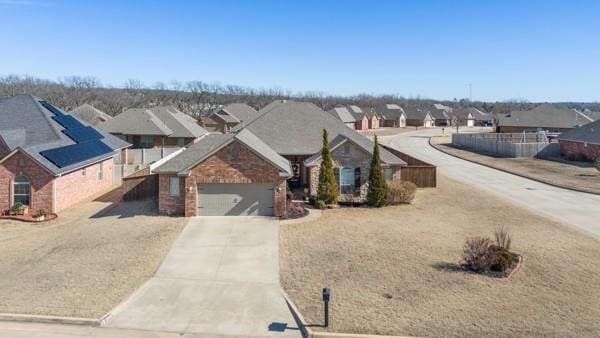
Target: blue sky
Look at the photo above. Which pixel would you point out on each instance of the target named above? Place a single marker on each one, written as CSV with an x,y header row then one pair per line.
x,y
534,50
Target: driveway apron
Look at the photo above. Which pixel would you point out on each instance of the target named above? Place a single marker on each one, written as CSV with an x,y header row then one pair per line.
x,y
221,277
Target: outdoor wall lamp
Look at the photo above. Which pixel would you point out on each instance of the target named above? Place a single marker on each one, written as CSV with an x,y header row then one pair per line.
x,y
326,296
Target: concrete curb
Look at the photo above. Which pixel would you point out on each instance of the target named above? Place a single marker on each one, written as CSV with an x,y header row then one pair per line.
x,y
539,180
11,317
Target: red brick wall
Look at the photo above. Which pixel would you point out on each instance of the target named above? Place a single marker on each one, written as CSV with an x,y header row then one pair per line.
x,y
75,186
579,149
40,181
223,168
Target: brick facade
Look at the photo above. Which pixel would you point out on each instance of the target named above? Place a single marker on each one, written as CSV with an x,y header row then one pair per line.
x,y
351,156
222,167
78,185
160,141
374,122
363,124
580,150
47,191
40,182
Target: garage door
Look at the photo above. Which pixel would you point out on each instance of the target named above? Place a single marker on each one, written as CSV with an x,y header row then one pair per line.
x,y
235,200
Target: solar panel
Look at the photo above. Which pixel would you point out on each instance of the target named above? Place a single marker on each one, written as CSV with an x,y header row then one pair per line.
x,y
71,154
68,121
51,108
84,134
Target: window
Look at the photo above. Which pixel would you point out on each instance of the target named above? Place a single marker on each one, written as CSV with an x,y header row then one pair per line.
x,y
347,181
21,190
180,142
146,141
235,152
174,186
100,170
357,181
83,172
388,174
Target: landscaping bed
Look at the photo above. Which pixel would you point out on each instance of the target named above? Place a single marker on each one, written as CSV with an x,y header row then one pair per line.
x,y
86,261
397,270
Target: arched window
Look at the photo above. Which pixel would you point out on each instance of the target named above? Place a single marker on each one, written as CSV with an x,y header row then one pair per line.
x,y
21,190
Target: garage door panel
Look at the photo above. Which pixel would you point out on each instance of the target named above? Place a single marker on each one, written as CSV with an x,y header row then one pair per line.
x,y
235,199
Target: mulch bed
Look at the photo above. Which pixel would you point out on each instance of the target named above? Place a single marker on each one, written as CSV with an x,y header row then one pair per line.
x,y
517,262
29,218
296,210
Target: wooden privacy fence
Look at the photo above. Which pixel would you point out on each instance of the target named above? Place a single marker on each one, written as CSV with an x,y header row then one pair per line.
x,y
421,173
140,186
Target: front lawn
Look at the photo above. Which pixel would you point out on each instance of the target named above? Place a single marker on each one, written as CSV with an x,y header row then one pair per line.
x,y
393,270
86,261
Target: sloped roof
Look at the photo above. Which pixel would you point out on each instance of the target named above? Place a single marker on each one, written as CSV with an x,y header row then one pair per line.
x,y
414,113
589,133
236,113
160,121
390,111
27,125
594,115
296,128
544,116
344,114
90,114
335,143
478,115
211,143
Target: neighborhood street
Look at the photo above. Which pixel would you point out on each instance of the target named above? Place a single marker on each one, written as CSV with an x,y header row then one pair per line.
x,y
570,207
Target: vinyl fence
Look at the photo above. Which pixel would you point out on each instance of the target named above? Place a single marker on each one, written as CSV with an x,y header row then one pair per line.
x,y
508,145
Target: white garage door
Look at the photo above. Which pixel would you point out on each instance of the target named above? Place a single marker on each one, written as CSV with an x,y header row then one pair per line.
x,y
235,200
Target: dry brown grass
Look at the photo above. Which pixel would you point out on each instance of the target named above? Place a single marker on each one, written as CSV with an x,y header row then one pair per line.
x,y
82,266
393,270
571,174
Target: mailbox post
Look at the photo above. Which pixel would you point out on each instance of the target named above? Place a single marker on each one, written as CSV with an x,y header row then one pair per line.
x,y
326,296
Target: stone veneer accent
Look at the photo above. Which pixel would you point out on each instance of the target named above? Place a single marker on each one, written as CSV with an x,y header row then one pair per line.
x,y
591,151
221,167
352,156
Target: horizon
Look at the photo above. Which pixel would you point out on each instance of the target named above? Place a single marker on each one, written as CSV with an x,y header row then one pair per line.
x,y
506,50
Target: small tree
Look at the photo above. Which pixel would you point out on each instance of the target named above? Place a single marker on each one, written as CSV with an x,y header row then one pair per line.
x,y
328,190
597,164
378,189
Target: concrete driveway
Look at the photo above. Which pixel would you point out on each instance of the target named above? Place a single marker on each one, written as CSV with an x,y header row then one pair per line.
x,y
221,277
572,208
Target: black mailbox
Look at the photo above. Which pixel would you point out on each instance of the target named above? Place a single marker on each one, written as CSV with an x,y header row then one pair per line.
x,y
326,294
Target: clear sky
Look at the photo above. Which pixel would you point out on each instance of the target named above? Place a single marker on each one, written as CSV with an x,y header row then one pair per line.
x,y
534,50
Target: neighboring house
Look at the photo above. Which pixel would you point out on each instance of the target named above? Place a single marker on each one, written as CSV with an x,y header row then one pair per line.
x,y
228,117
594,115
355,117
245,172
545,117
418,117
582,143
90,114
49,159
441,115
391,115
163,126
471,117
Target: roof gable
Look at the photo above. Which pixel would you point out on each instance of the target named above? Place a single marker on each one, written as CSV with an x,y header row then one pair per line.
x,y
589,133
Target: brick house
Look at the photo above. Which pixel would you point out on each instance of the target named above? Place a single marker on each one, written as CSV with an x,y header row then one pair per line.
x,y
155,127
224,174
547,117
228,117
90,114
246,171
391,115
49,159
355,117
581,143
418,117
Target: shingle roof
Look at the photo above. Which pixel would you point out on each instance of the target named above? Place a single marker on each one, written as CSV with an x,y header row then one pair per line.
x,y
212,143
344,114
237,112
390,111
27,125
90,114
544,116
296,128
589,133
414,113
161,121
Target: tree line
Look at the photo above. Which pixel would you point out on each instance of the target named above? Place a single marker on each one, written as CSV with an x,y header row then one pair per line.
x,y
198,98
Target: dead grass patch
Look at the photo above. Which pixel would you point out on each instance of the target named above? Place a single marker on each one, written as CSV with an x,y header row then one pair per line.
x,y
395,270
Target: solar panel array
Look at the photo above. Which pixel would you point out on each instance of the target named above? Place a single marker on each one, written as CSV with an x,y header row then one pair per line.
x,y
87,145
